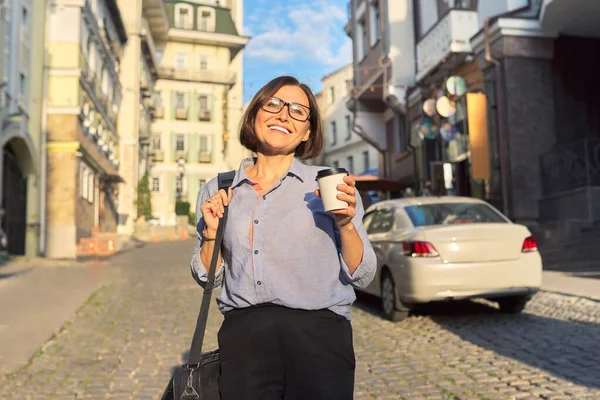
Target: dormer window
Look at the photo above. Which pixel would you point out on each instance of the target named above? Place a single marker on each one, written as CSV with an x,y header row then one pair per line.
x,y
183,16
206,19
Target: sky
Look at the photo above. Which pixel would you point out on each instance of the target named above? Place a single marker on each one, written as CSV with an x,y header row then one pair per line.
x,y
302,38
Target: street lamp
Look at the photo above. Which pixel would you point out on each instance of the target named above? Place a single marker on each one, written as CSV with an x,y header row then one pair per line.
x,y
180,173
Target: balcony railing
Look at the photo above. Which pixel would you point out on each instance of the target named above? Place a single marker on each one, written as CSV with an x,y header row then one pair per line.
x,y
204,156
204,115
451,34
181,113
571,166
192,75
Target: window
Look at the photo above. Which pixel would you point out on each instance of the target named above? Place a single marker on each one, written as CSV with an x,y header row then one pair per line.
x,y
158,99
452,213
366,160
350,164
206,19
179,100
362,40
183,18
24,18
379,221
204,146
155,185
348,127
332,95
335,164
180,143
22,85
375,24
86,183
201,183
159,56
203,102
203,62
333,133
155,143
180,60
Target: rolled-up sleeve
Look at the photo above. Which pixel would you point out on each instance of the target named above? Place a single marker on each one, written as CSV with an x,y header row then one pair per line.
x,y
199,271
365,272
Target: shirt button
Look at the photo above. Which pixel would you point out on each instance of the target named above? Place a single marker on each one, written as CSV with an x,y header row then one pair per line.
x,y
255,251
259,283
264,197
256,221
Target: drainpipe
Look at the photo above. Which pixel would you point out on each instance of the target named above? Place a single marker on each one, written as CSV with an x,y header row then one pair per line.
x,y
500,115
43,150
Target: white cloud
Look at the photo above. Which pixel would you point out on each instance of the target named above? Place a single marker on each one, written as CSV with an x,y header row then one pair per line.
x,y
300,31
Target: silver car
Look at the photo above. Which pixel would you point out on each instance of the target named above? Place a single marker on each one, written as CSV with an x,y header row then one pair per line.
x,y
446,248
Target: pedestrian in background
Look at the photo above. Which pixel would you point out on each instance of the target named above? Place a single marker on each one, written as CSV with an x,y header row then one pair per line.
x,y
287,267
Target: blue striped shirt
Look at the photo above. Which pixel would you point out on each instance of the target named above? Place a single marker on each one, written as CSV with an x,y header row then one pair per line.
x,y
282,247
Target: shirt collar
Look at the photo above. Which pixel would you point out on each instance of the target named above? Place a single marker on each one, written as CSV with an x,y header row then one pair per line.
x,y
297,169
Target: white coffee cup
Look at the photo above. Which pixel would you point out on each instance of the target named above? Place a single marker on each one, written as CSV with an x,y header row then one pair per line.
x,y
328,180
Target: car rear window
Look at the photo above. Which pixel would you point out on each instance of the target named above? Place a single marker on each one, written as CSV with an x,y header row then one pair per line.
x,y
452,213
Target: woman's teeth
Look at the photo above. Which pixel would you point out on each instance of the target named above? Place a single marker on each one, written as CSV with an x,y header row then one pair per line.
x,y
279,128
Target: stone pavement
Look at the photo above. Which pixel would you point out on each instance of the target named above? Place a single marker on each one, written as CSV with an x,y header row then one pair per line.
x,y
123,342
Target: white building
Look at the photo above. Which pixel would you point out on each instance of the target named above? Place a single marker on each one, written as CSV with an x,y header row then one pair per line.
x,y
17,149
199,102
343,148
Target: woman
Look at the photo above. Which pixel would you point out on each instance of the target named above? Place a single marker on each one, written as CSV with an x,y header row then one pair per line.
x,y
287,267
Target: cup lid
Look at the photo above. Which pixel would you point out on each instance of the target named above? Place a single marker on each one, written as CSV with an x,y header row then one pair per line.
x,y
331,171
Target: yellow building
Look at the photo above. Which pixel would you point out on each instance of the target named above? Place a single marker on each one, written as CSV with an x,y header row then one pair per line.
x,y
146,22
199,101
85,42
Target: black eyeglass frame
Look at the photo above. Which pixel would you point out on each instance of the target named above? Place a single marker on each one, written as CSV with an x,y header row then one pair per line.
x,y
285,103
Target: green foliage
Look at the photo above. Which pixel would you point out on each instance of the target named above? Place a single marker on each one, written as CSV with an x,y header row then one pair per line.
x,y
193,218
182,208
144,198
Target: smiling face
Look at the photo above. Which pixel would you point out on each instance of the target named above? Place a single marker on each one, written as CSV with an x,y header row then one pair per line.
x,y
278,133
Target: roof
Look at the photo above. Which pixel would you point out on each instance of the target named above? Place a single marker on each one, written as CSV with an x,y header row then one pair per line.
x,y
416,201
223,19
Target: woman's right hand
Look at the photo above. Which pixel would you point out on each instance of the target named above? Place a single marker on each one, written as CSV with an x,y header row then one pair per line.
x,y
212,209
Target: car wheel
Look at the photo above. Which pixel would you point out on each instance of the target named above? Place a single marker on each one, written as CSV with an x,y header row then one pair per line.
x,y
388,300
513,304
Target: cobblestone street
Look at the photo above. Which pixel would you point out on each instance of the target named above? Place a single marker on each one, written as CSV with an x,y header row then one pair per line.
x,y
124,340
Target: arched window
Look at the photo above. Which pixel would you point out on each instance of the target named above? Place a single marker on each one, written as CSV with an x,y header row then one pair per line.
x,y
206,19
184,16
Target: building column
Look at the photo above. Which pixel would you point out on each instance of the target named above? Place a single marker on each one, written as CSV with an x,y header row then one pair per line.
x,y
523,114
62,192
129,117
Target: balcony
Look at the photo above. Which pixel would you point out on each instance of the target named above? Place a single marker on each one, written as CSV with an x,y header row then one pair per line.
x,y
449,35
573,18
204,115
204,156
181,155
196,75
157,156
181,113
159,112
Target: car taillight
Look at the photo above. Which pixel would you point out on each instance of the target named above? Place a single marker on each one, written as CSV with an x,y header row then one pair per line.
x,y
419,249
529,245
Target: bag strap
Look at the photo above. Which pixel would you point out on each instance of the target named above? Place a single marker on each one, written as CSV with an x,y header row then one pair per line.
x,y
225,180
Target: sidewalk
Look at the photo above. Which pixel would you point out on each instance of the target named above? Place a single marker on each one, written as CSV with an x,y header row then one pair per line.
x,y
37,300
563,283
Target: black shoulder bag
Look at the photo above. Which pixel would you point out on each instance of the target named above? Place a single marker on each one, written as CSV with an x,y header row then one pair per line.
x,y
199,378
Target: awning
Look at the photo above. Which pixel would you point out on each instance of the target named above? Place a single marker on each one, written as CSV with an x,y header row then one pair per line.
x,y
373,182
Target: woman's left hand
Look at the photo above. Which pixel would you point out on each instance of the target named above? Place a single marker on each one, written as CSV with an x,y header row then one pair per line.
x,y
344,217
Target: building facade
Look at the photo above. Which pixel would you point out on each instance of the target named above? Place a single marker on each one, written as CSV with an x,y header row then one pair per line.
x,y
18,150
85,43
382,33
199,102
343,148
146,23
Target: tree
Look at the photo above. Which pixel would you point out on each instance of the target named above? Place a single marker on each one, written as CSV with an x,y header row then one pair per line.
x,y
144,198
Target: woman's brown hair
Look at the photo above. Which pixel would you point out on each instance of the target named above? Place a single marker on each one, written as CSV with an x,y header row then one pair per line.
x,y
309,149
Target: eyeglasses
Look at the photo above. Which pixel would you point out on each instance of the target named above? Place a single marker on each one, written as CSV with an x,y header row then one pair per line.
x,y
297,111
